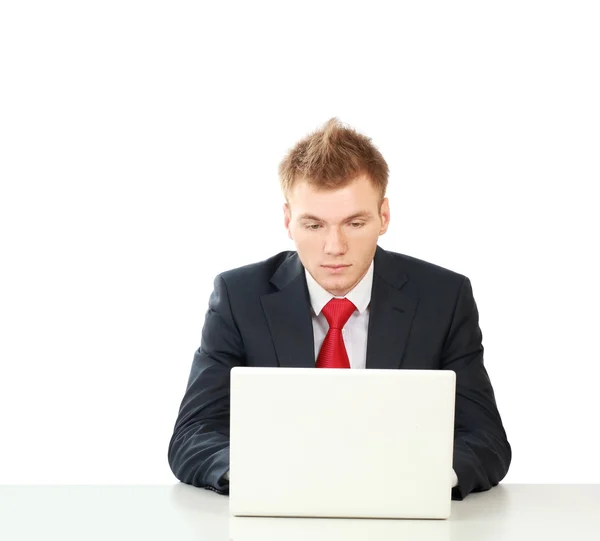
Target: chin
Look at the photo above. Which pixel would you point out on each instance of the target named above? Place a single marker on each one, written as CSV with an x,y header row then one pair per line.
x,y
338,285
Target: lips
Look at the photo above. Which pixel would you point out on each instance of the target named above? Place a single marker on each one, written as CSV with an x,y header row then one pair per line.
x,y
335,269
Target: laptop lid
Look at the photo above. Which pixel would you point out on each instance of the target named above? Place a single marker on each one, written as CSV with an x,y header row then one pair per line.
x,y
313,442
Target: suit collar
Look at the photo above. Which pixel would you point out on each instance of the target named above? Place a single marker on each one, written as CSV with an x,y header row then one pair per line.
x,y
387,268
288,313
392,312
288,271
383,263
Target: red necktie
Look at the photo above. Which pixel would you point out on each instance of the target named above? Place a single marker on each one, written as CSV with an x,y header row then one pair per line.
x,y
333,352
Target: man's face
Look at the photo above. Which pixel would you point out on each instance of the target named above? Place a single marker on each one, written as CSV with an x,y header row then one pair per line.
x,y
336,231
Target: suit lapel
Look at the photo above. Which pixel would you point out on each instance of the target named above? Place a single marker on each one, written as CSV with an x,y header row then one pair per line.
x,y
288,314
390,316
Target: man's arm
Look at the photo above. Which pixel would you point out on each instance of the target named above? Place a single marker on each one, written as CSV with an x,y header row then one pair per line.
x,y
482,453
199,448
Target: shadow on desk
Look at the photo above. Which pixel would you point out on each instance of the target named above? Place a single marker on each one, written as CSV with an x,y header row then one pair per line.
x,y
196,499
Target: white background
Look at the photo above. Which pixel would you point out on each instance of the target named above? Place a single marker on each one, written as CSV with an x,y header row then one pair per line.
x,y
139,144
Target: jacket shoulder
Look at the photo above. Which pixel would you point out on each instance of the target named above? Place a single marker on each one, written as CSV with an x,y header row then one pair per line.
x,y
257,272
424,271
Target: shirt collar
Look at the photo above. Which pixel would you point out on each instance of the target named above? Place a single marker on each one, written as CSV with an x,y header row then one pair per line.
x,y
360,295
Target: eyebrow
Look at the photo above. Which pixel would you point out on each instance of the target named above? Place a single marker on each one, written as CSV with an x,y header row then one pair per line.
x,y
364,214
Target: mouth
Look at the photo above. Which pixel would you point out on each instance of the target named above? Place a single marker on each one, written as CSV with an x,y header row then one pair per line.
x,y
335,268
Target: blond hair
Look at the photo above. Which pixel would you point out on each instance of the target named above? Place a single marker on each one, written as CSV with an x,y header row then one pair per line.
x,y
331,157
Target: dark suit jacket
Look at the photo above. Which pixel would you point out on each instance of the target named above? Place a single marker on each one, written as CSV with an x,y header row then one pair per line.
x,y
421,317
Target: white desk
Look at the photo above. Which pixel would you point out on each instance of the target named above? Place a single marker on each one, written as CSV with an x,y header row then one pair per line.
x,y
181,512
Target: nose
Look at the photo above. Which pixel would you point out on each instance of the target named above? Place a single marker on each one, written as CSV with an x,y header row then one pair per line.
x,y
335,243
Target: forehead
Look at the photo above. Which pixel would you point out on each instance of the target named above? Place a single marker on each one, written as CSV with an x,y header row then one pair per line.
x,y
334,206
359,190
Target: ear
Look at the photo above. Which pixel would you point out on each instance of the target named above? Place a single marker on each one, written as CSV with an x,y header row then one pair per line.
x,y
385,216
287,218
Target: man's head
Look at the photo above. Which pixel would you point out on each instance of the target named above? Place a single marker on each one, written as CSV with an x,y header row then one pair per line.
x,y
334,183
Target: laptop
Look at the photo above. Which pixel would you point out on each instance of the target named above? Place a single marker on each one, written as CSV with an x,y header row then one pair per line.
x,y
318,442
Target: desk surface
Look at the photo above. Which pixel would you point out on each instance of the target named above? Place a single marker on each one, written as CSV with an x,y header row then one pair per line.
x,y
182,512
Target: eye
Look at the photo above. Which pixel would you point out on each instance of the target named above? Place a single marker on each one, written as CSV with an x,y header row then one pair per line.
x,y
356,225
313,227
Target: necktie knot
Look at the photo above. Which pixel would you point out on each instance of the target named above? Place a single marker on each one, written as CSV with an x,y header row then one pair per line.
x,y
338,312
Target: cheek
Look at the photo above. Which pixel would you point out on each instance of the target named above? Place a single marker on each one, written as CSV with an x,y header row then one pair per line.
x,y
306,239
307,249
369,236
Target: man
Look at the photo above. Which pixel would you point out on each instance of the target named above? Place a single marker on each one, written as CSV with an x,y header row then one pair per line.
x,y
395,312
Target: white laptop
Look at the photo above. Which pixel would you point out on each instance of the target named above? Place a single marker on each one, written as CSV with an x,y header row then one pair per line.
x,y
317,442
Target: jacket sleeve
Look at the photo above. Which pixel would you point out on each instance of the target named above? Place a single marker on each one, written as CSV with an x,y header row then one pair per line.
x,y
482,453
199,448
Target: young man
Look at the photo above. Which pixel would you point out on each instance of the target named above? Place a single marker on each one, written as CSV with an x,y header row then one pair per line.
x,y
394,312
